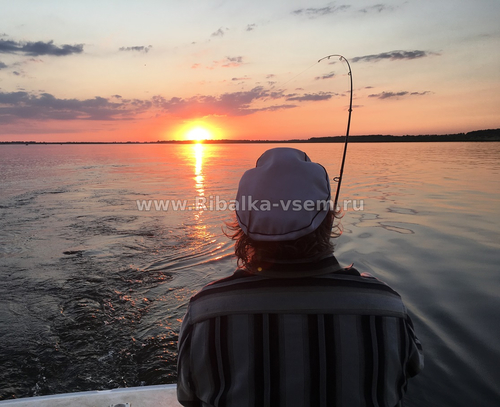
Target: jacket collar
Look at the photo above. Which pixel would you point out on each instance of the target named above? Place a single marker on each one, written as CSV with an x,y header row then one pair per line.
x,y
326,265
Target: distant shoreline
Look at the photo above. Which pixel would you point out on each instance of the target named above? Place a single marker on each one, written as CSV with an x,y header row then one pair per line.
x,y
478,135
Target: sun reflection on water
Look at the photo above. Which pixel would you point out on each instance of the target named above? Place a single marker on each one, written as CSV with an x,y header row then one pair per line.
x,y
198,168
198,150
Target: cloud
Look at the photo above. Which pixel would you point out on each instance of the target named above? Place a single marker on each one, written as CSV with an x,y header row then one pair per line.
x,y
251,27
227,62
2,65
227,104
276,107
234,60
23,105
140,48
244,78
388,95
39,48
313,12
311,97
28,106
218,33
326,76
378,8
393,56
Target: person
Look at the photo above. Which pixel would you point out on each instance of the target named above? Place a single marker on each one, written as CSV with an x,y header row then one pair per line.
x,y
291,327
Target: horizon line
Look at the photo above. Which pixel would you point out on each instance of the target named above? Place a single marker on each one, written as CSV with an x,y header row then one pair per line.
x,y
475,135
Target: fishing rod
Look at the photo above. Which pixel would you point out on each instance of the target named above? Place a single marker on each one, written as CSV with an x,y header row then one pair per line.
x,y
339,178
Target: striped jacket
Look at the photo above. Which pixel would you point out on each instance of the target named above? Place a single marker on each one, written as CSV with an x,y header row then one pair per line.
x,y
297,335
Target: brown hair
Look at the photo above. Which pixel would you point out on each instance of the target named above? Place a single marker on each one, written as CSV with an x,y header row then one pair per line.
x,y
253,254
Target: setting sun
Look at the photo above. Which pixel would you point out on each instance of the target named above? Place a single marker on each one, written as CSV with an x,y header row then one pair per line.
x,y
198,130
198,134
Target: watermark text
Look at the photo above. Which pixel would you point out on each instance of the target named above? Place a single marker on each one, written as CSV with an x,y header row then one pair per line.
x,y
216,203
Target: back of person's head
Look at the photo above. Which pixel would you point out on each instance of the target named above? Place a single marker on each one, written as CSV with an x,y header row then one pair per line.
x,y
283,211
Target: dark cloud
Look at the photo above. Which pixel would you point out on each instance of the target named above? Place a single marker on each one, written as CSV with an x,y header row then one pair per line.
x,y
227,62
23,105
231,62
2,65
218,33
227,104
393,56
235,59
251,27
378,8
244,78
326,76
38,48
313,12
140,48
388,95
310,97
276,107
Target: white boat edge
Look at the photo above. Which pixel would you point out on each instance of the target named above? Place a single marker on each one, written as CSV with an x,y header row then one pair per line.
x,y
145,396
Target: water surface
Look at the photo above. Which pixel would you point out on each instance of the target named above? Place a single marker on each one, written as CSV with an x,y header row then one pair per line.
x,y
94,289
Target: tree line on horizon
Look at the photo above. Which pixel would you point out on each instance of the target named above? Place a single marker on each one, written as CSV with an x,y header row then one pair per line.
x,y
477,135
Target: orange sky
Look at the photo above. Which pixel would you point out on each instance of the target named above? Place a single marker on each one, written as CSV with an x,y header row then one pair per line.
x,y
98,72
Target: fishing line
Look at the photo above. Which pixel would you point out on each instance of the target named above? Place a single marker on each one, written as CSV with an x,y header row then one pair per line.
x,y
291,79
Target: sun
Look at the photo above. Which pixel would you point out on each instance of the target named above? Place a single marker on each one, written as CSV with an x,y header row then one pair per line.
x,y
198,134
198,131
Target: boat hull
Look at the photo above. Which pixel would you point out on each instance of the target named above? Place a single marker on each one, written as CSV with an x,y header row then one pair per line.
x,y
146,396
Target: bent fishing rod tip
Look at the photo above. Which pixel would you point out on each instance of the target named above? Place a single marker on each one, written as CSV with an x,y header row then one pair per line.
x,y
341,57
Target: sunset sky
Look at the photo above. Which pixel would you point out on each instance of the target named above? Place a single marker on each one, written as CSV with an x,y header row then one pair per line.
x,y
155,69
